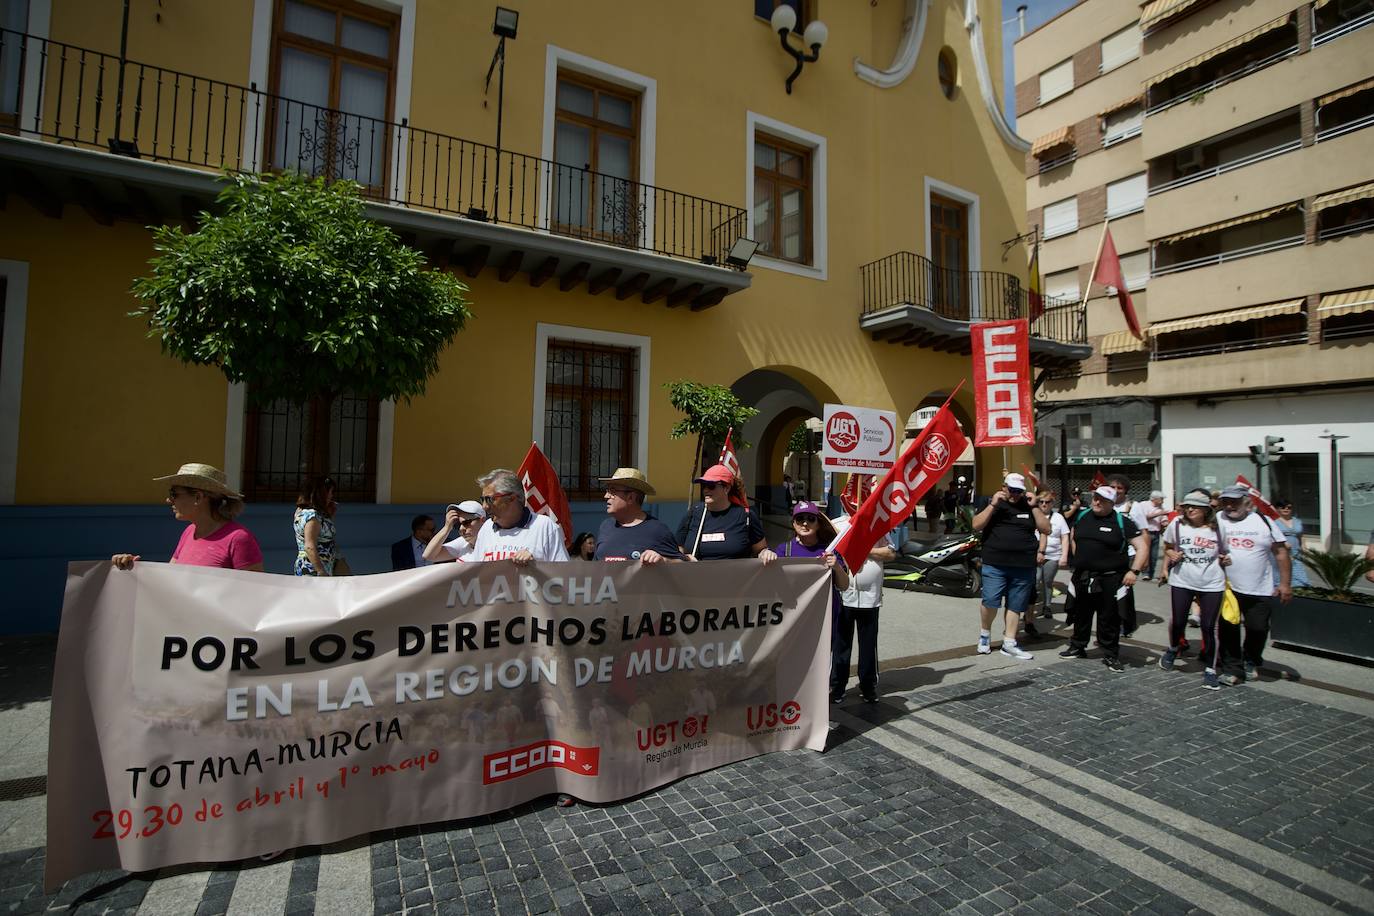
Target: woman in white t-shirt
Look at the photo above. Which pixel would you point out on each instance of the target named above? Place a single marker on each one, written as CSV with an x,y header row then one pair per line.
x,y
1048,557
1195,564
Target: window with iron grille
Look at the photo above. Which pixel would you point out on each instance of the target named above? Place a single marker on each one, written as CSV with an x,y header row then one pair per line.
x,y
286,443
589,413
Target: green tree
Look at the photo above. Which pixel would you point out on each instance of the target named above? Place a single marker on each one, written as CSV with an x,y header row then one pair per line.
x,y
293,290
710,412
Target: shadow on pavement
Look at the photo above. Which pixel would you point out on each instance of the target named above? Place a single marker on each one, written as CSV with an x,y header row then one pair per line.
x,y
26,669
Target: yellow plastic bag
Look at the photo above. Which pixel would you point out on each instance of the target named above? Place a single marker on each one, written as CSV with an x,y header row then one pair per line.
x,y
1230,607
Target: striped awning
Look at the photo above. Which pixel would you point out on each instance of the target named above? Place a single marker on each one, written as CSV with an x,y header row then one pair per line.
x,y
1136,99
1336,198
1156,11
1220,49
1346,92
1250,313
1347,303
1052,139
1121,342
1225,224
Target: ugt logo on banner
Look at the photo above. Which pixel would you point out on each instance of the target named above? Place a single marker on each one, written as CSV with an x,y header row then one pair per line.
x,y
1002,383
858,440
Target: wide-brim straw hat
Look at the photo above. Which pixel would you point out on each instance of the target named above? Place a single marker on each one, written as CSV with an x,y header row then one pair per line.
x,y
204,477
632,478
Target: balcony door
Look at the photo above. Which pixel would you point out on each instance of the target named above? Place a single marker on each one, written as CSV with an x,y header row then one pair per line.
x,y
949,253
333,72
595,150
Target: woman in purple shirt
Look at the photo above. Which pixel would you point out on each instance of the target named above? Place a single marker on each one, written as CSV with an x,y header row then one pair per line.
x,y
813,533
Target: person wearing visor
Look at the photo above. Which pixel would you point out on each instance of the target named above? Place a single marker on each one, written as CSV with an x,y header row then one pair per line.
x,y
1255,545
1099,538
630,533
722,527
466,518
1195,565
1011,526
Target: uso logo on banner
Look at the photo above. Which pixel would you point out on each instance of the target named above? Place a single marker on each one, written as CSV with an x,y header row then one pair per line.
x,y
1002,383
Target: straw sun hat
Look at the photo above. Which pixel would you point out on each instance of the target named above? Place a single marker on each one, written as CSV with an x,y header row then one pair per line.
x,y
200,477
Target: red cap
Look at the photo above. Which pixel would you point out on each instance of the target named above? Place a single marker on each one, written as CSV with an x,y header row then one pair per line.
x,y
716,473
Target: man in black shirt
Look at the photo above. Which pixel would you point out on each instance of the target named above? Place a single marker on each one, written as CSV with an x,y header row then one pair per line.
x,y
1011,527
1098,538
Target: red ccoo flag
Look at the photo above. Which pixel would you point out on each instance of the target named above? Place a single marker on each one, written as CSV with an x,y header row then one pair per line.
x,y
1098,480
1107,271
731,462
1257,498
543,493
925,461
1030,475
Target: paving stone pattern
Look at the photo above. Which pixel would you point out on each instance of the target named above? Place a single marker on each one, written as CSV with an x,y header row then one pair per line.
x,y
861,829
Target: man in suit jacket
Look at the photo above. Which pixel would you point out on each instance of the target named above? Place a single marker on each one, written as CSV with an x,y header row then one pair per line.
x,y
407,552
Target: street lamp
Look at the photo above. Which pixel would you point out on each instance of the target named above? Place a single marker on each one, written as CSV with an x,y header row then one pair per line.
x,y
505,25
1333,544
783,22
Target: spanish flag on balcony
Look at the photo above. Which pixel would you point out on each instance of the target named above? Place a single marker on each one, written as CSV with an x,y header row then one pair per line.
x,y
1036,294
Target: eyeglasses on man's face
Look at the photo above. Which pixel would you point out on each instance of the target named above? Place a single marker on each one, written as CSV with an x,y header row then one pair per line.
x,y
622,492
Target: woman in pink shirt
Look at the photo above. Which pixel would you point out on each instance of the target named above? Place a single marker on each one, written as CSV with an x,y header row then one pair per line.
x,y
199,495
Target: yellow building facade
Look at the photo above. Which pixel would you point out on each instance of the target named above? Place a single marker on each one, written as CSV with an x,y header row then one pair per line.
x,y
634,151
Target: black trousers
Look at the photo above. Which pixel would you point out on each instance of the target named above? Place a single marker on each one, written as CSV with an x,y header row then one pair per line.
x,y
865,620
1255,611
1095,594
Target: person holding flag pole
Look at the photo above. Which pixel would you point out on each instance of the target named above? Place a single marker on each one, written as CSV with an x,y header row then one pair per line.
x,y
725,528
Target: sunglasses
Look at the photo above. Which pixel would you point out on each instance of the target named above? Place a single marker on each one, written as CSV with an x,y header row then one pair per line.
x,y
489,500
712,485
805,520
622,492
174,492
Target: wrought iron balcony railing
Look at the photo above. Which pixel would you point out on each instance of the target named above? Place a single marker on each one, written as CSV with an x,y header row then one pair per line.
x,y
73,95
906,278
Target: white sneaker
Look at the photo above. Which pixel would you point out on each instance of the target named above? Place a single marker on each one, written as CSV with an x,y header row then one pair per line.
x,y
984,646
1012,650
1194,621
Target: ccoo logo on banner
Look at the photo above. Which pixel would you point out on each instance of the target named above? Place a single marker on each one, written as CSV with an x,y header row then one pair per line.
x,y
1002,383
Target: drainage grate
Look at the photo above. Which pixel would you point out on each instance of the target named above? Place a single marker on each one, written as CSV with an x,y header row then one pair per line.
x,y
12,789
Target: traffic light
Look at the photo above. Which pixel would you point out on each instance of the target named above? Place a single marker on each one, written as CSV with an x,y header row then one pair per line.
x,y
1258,456
1273,451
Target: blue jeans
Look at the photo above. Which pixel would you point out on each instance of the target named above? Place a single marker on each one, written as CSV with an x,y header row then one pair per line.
x,y
1015,584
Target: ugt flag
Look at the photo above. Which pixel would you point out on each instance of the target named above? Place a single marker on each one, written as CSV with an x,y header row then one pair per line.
x,y
924,462
543,493
1002,383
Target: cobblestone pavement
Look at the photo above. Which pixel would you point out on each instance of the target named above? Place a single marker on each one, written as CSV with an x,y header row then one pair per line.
x,y
1029,790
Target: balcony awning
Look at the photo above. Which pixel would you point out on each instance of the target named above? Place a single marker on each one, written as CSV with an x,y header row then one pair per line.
x,y
1157,11
1121,342
1348,91
1250,313
1347,303
1219,49
1052,139
1349,195
1226,224
1124,103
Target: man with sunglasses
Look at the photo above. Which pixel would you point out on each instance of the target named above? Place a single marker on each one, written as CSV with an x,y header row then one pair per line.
x,y
630,533
1011,526
466,517
511,531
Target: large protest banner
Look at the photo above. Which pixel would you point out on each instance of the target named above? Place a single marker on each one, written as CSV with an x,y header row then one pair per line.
x,y
206,715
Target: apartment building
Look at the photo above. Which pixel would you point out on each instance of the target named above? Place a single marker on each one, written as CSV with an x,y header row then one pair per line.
x,y
1228,146
878,181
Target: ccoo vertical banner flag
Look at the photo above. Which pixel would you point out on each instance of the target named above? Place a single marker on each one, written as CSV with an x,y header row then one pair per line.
x,y
543,492
1002,383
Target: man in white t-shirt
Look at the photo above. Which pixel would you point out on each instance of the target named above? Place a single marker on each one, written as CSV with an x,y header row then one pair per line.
x,y
466,518
1251,540
1149,516
512,532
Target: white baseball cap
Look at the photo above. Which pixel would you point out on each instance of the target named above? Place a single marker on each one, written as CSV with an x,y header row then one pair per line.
x,y
1015,482
1106,492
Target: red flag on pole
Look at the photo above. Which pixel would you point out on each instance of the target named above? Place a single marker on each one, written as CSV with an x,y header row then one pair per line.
x,y
1030,475
855,492
1035,295
923,463
1107,272
1099,480
731,462
543,493
1002,383
1261,504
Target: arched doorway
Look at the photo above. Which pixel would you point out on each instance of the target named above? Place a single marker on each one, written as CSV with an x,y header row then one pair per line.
x,y
785,398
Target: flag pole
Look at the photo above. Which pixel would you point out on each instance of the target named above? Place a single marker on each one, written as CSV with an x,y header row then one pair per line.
x,y
1087,290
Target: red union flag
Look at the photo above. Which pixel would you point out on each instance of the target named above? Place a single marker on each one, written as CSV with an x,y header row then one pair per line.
x,y
1256,497
543,493
1001,383
924,462
855,492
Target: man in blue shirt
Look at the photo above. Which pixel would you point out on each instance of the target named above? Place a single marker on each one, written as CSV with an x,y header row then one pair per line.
x,y
629,533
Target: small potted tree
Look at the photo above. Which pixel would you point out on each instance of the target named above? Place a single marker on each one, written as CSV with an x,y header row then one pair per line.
x,y
1335,619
